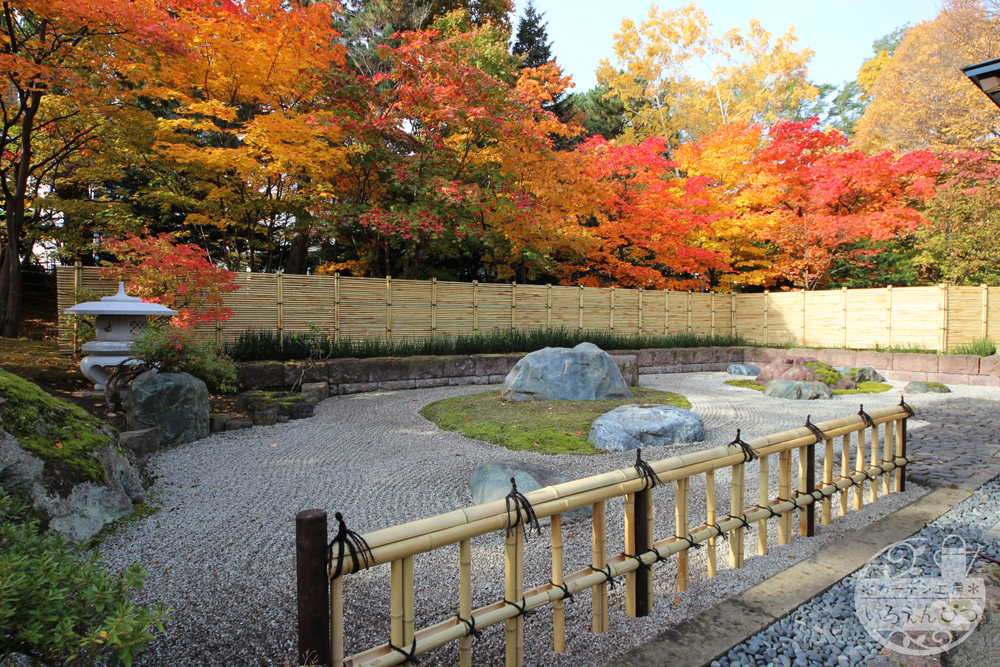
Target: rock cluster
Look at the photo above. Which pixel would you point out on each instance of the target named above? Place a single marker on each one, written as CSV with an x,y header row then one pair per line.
x,y
803,369
583,373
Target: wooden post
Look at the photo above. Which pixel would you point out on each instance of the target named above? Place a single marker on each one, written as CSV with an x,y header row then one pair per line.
x,y
388,308
859,491
581,307
464,599
888,316
736,509
408,615
558,607
943,316
901,451
548,306
639,313
689,311
844,342
77,282
985,329
513,305
767,295
666,312
763,500
845,469
475,306
807,484
710,519
337,617
336,307
434,306
313,586
785,493
638,540
599,602
611,313
827,480
887,448
519,594
281,303
873,487
681,518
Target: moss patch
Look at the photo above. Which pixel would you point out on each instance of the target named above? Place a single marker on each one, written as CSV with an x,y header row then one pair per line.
x,y
864,388
936,385
547,427
60,433
746,384
825,373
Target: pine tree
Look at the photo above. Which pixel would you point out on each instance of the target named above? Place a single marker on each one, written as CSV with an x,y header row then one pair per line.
x,y
532,38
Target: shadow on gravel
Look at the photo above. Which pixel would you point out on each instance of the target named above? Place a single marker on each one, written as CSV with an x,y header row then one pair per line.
x,y
960,447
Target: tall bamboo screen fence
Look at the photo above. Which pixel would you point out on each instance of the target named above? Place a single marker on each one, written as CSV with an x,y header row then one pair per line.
x,y
931,317
321,574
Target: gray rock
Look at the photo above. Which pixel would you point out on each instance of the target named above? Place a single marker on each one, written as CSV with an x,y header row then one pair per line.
x,y
315,392
925,388
141,443
491,481
218,423
238,424
18,468
287,404
861,373
804,391
283,419
583,373
176,403
743,369
635,426
265,417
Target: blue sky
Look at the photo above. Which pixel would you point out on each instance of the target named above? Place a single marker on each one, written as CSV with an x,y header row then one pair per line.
x,y
841,33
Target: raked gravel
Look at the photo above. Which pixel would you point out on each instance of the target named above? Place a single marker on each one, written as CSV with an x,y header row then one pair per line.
x,y
220,552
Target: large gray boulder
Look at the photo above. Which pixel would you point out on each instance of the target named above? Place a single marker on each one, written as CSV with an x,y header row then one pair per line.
x,y
583,373
635,426
491,481
801,391
861,373
925,388
176,403
743,369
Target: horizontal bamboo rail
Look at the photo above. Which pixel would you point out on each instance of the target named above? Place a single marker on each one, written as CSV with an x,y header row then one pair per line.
x,y
399,544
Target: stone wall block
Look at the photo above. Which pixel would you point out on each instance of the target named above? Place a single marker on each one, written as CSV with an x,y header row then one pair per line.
x,y
644,357
394,385
386,369
949,378
458,366
962,364
915,362
431,382
357,387
905,376
268,375
423,367
664,356
350,371
491,364
984,380
989,365
880,361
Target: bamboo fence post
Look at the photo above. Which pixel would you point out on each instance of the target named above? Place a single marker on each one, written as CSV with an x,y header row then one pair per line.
x,y
827,480
666,312
844,341
784,493
510,593
886,455
408,615
638,539
434,306
689,311
845,470
710,519
396,603
873,486
986,311
732,315
639,314
558,607
681,517
599,601
464,600
388,308
631,549
767,296
901,451
713,313
736,505
611,312
548,306
888,315
803,318
77,281
581,307
807,484
859,491
513,305
337,619
764,500
475,306
336,307
313,585
281,303
943,317
519,536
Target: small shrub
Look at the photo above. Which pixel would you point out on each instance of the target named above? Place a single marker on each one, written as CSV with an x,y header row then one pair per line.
x,y
58,606
982,347
174,350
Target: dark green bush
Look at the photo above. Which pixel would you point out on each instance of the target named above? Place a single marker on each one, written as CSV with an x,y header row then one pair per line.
x,y
175,350
58,606
269,345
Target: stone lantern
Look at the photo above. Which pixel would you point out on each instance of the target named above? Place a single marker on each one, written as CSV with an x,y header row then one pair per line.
x,y
119,319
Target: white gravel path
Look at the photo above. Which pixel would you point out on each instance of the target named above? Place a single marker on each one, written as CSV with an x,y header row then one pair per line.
x,y
221,550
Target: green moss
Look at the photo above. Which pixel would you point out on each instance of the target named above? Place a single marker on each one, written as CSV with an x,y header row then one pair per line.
x,y
746,384
60,433
547,427
936,385
825,372
141,511
864,388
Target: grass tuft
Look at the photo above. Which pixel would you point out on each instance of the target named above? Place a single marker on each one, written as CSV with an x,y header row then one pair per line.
x,y
862,388
982,347
546,427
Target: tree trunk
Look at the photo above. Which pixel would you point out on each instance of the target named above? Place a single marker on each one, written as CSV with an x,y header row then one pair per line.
x,y
296,264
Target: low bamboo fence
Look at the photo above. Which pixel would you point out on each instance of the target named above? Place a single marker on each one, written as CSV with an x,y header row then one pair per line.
x,y
322,577
939,317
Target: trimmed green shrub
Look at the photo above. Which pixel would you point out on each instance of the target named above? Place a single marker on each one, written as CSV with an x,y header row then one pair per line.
x,y
982,347
174,350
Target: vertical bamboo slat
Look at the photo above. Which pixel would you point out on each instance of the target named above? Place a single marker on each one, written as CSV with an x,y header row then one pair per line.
x,y
434,307
859,491
513,305
519,595
943,315
736,509
844,319
900,481
581,307
785,493
336,307
632,549
713,313
689,311
464,600
767,295
639,312
828,479
598,561
611,310
845,470
873,486
888,315
475,305
803,323
396,603
510,593
666,313
337,619
548,306
281,302
732,314
681,516
710,519
985,328
886,455
558,607
763,500
388,308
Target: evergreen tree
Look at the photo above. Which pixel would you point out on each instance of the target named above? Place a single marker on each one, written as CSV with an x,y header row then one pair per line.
x,y
532,38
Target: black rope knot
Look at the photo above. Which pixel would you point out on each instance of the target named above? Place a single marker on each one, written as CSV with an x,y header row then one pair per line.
x,y
821,495
565,590
643,565
659,558
902,404
816,431
470,626
691,543
749,454
719,532
411,655
865,417
649,477
522,610
742,518
516,501
608,578
769,509
355,546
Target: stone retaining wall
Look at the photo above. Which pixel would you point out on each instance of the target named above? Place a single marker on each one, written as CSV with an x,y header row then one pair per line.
x,y
902,366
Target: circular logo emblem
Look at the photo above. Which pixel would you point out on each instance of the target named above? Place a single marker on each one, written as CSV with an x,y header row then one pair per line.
x,y
912,613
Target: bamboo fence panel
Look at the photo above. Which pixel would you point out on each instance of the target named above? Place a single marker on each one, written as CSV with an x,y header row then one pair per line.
x,y
399,544
455,308
412,308
824,319
965,315
992,327
784,317
654,311
627,310
596,308
868,317
750,320
565,308
678,310
915,316
532,306
306,300
494,307
362,308
701,313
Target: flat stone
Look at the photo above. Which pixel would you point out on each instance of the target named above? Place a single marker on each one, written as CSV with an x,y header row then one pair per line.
x,y
491,481
743,369
218,423
861,373
176,403
635,426
582,373
924,388
266,417
802,391
238,424
141,443
315,392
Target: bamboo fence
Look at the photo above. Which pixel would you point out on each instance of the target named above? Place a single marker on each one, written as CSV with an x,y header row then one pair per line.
x,y
940,317
880,468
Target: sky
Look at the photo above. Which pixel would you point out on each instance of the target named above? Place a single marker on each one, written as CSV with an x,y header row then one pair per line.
x,y
841,33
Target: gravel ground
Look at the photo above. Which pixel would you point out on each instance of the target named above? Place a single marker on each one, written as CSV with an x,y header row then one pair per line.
x,y
826,631
221,550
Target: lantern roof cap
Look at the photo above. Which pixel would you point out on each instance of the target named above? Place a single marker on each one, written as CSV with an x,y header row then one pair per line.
x,y
120,304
